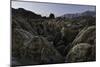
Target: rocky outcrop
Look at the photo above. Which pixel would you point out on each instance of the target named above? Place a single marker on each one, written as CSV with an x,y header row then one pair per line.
x,y
87,35
83,47
41,51
80,53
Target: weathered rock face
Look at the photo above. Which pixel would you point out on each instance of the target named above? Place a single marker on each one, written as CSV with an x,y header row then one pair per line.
x,y
22,23
83,46
87,35
80,53
38,51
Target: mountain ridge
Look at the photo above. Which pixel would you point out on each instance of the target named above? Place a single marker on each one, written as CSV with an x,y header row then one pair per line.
x,y
73,15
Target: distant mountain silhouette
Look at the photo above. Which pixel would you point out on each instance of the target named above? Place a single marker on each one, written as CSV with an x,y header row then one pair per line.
x,y
86,13
89,13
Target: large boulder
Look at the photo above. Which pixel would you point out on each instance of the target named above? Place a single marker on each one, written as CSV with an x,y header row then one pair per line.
x,y
87,35
41,51
81,52
20,36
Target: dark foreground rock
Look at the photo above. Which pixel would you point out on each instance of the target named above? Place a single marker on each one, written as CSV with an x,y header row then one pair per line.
x,y
81,52
39,51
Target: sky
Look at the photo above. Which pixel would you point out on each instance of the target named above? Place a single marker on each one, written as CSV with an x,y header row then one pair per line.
x,y
46,8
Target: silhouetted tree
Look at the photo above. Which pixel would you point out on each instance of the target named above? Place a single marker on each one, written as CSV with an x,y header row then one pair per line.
x,y
51,16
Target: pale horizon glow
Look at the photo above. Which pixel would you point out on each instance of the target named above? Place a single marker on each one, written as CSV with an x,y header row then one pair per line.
x,y
45,9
